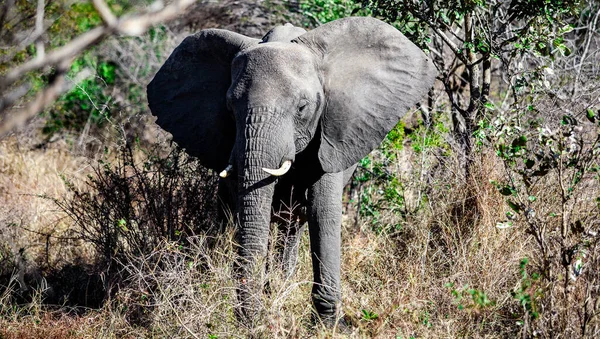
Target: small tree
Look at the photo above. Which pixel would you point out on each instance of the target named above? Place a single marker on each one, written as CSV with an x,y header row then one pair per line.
x,y
466,37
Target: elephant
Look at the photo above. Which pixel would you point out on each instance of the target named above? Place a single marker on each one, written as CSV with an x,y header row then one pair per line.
x,y
285,119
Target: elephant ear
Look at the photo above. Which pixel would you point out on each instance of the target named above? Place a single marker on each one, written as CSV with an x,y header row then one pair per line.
x,y
372,75
188,94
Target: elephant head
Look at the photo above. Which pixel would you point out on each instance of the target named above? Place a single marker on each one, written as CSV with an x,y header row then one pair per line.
x,y
250,106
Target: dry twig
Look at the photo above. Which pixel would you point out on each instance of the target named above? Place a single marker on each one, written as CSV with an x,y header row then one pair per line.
x,y
128,25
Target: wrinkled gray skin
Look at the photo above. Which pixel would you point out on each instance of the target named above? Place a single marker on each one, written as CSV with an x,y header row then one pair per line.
x,y
323,99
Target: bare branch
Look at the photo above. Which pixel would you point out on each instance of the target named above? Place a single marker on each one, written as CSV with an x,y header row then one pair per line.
x,y
39,30
487,79
588,38
474,71
66,52
105,13
133,25
139,24
43,99
453,47
3,11
450,43
7,100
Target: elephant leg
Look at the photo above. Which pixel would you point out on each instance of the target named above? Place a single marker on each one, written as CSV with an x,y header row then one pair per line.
x,y
325,223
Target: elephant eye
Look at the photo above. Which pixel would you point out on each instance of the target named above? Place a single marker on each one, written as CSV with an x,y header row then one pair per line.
x,y
303,105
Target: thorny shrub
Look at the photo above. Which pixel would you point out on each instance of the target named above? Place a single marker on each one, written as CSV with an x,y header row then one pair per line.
x,y
552,188
132,204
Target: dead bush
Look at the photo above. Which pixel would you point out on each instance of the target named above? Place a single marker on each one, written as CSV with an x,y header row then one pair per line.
x,y
138,199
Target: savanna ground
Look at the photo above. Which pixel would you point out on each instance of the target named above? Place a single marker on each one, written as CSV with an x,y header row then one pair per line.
x,y
480,227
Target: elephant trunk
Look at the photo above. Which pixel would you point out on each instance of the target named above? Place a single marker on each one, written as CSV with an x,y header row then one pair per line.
x,y
255,200
259,145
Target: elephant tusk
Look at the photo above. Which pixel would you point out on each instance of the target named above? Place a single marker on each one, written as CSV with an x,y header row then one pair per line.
x,y
225,173
280,171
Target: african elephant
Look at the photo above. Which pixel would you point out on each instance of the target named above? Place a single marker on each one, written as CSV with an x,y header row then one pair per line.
x,y
289,117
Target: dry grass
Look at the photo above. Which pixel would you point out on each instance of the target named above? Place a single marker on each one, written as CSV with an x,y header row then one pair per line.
x,y
189,291
448,271
28,222
445,270
403,278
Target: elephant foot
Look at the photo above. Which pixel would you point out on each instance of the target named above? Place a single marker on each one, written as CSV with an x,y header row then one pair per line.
x,y
327,308
249,306
336,322
248,309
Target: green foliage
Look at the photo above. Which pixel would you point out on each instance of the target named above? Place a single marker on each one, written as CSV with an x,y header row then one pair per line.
x,y
369,315
323,11
551,177
158,35
469,298
69,19
544,22
74,18
383,187
397,14
78,18
425,319
429,137
383,192
528,293
88,103
532,153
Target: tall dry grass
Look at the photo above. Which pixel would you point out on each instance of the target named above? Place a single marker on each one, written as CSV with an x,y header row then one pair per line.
x,y
394,285
444,270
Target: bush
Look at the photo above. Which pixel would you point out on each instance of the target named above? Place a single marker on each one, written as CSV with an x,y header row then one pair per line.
x,y
87,104
394,181
130,206
552,192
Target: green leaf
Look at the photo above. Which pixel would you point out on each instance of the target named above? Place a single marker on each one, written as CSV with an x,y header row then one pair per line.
x,y
518,144
515,207
123,224
590,115
566,29
568,120
506,190
368,315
